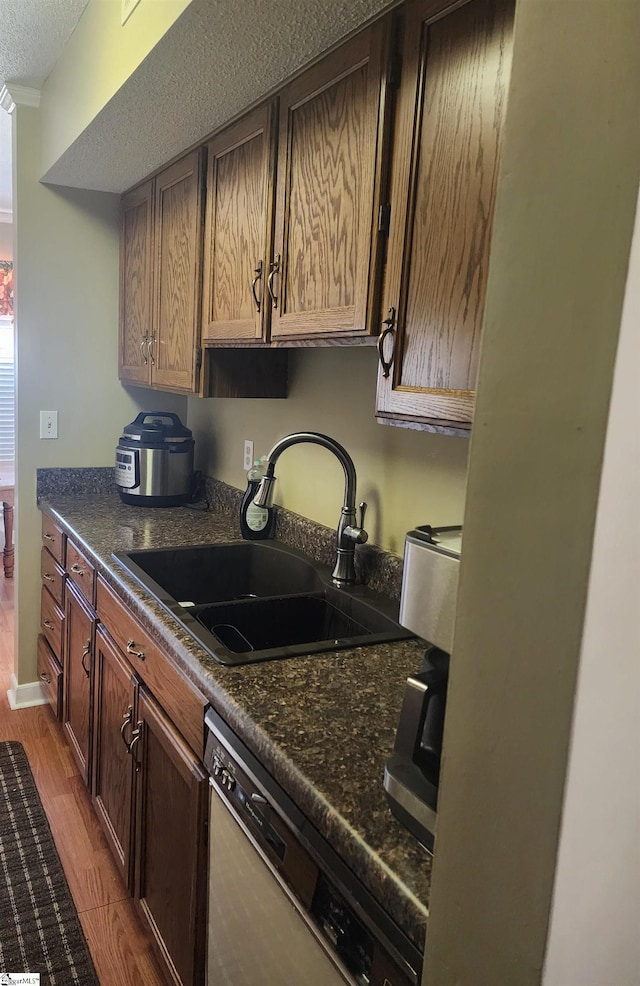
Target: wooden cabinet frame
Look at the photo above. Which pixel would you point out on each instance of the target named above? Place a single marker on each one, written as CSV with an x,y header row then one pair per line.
x,y
238,242
328,252
450,110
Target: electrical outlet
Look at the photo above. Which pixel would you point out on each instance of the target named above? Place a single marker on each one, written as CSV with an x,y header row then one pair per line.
x,y
48,424
248,455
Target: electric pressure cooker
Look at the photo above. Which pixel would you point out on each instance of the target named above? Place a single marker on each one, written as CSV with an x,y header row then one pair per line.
x,y
154,461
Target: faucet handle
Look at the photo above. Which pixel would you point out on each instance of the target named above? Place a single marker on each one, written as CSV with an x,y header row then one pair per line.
x,y
357,534
362,508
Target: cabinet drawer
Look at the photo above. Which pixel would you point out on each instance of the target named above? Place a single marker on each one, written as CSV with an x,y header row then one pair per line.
x,y
52,576
53,539
182,702
51,621
81,572
50,675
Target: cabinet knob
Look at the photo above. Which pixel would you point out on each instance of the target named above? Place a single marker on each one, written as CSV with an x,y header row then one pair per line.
x,y
45,677
75,568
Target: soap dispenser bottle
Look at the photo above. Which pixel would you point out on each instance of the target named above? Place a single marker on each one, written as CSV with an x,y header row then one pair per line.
x,y
256,523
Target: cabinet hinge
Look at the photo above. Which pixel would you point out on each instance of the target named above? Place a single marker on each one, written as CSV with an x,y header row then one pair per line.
x,y
198,357
384,218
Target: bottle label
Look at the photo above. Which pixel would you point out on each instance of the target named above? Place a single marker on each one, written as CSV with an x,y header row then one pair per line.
x,y
257,517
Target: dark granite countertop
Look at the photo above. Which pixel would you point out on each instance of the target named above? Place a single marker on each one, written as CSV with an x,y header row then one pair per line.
x,y
323,725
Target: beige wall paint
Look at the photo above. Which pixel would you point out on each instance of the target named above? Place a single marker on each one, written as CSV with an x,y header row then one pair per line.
x,y
97,60
406,477
562,233
67,343
6,241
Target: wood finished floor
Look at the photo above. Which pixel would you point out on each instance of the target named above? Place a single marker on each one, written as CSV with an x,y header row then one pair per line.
x,y
120,947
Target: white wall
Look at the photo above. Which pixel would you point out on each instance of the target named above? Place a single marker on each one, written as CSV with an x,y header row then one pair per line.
x,y
593,936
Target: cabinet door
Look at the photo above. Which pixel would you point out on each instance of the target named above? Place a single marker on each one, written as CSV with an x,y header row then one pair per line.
x,y
77,678
326,265
178,245
451,111
238,231
114,723
136,285
171,871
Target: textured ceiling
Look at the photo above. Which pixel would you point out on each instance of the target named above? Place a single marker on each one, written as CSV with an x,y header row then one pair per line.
x,y
32,35
218,57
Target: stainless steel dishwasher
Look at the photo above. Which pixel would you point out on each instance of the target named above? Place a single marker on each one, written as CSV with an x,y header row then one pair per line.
x,y
284,910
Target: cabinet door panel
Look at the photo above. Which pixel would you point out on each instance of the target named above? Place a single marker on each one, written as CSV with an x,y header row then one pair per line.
x,y
240,172
78,669
171,844
178,236
446,154
327,193
113,765
136,284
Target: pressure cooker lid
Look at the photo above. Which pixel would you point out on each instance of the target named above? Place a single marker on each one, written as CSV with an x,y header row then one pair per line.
x,y
155,427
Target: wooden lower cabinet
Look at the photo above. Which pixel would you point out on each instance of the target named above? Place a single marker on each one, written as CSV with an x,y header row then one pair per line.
x,y
78,670
171,861
113,782
150,793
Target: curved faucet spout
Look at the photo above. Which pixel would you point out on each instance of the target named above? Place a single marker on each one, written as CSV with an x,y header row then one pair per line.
x,y
348,534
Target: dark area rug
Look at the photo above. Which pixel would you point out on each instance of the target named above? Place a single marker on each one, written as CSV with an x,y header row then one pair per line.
x,y
39,926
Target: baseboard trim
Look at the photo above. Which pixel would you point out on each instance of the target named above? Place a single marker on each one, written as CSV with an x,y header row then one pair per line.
x,y
27,695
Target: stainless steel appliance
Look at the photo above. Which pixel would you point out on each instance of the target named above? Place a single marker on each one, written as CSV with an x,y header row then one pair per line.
x,y
427,606
154,461
283,907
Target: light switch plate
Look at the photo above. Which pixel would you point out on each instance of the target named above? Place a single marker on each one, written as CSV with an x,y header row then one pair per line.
x,y
48,424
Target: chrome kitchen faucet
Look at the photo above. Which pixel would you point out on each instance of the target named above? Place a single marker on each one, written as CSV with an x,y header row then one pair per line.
x,y
348,534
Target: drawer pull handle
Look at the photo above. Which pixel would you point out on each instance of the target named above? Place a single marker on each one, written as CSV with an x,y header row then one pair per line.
x,y
47,577
85,653
48,537
389,321
131,649
48,624
135,736
258,277
274,269
75,568
126,721
45,677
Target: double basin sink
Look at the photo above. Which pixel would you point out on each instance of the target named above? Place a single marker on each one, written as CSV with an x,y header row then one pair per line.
x,y
255,601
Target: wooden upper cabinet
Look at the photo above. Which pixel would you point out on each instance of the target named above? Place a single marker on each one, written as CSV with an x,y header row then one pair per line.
x,y
160,271
450,114
136,285
178,244
325,268
238,230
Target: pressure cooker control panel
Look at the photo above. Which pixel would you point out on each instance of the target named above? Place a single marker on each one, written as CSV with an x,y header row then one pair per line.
x,y
127,474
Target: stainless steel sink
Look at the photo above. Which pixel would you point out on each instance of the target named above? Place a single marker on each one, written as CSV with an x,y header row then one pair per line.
x,y
255,601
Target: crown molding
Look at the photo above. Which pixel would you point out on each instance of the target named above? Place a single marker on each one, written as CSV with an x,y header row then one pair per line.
x,y
13,95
